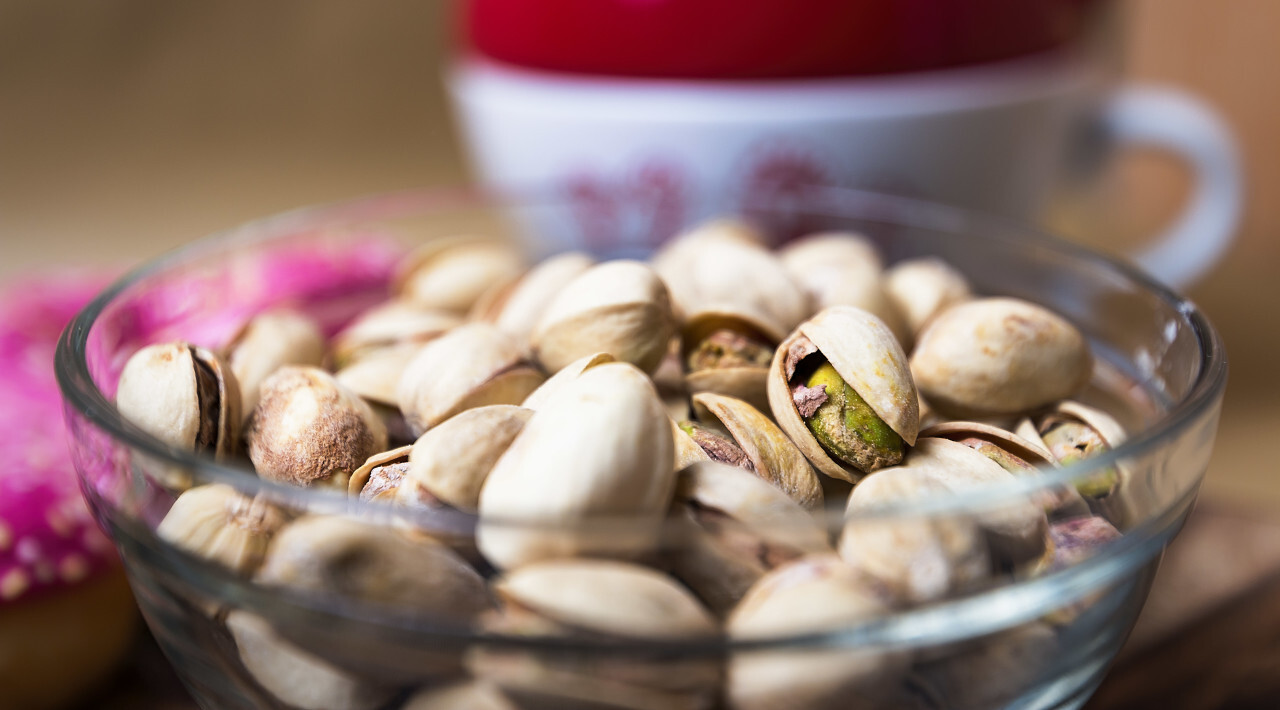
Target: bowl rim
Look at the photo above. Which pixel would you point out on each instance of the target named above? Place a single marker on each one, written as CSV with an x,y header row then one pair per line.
x,y
81,393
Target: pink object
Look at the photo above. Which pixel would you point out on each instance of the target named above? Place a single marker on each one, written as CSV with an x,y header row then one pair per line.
x,y
48,539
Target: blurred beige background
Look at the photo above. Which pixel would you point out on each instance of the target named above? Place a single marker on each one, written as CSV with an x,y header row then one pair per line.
x,y
129,127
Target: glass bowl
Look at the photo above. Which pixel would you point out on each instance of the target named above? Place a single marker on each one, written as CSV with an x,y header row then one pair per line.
x,y
1041,640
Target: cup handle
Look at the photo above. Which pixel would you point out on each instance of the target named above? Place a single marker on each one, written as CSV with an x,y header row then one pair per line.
x,y
1175,121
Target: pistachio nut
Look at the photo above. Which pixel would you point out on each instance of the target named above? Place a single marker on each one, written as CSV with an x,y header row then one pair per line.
x,y
601,599
452,274
1016,530
815,594
922,288
375,377
539,397
1073,432
917,558
184,395
471,366
993,671
309,430
452,461
267,342
599,451
999,356
734,527
395,322
220,524
840,388
729,355
381,476
619,307
295,677
1077,539
515,307
754,443
471,695
843,269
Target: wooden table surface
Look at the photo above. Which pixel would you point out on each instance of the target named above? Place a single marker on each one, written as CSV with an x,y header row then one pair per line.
x,y
1208,639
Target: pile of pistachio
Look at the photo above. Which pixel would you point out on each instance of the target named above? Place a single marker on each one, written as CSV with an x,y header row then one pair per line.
x,y
648,450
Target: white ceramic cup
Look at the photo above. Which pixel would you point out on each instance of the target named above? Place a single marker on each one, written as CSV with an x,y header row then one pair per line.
x,y
643,158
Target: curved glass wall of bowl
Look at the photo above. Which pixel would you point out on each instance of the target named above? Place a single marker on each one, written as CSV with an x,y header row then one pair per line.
x,y
1160,370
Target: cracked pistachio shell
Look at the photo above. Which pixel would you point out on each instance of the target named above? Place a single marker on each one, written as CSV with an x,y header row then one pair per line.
x,y
539,397
1107,488
869,359
922,288
993,671
917,558
183,395
619,307
1017,530
269,341
598,452
395,322
452,274
452,460
343,558
997,356
729,277
471,366
687,451
515,307
295,677
609,597
471,695
739,527
815,594
376,374
219,523
773,456
741,381
381,476
843,269
310,430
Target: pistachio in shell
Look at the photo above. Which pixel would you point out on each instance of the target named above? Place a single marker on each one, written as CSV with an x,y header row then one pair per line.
x,y
924,287
375,377
452,274
309,430
815,594
396,322
515,307
992,671
268,341
620,307
756,444
840,388
381,476
471,366
219,523
184,395
563,376
601,599
451,461
995,356
294,676
843,269
599,452
915,558
729,354
1073,432
733,528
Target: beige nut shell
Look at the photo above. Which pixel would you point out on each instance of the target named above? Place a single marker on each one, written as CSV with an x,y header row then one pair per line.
x,y
924,287
219,523
452,274
452,460
267,342
515,307
843,269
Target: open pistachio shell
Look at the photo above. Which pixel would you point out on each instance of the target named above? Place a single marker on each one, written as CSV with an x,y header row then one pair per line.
x,y
471,366
999,356
1017,530
843,269
267,342
390,467
619,307
515,307
599,452
221,524
923,288
391,323
733,376
814,594
687,451
867,357
563,376
452,460
917,558
452,274
310,430
773,456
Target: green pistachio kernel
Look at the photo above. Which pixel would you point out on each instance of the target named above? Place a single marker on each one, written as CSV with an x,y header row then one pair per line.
x,y
846,426
1073,441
